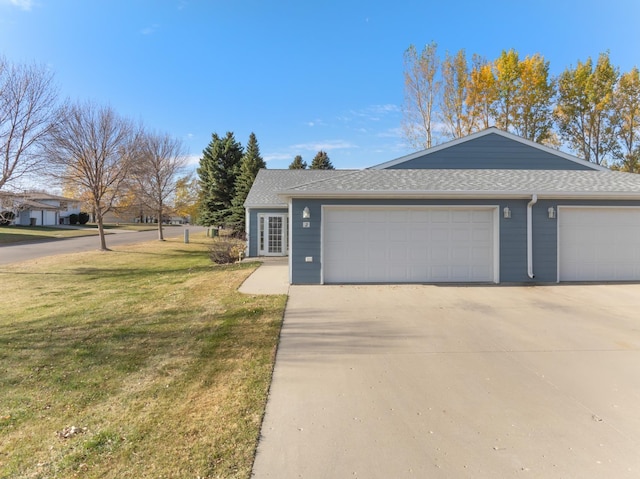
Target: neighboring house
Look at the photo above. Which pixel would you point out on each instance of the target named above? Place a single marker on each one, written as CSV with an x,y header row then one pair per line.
x,y
491,208
41,209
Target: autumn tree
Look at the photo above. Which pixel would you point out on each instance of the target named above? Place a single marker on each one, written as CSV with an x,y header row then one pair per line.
x,y
421,90
454,109
481,93
627,120
298,164
185,203
585,108
93,148
159,160
507,86
217,174
533,116
250,164
27,112
321,162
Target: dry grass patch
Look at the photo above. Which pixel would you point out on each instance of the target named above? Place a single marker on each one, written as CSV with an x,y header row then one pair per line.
x,y
148,351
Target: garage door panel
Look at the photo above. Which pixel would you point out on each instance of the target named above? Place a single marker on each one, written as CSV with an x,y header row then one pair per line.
x,y
460,216
599,244
429,244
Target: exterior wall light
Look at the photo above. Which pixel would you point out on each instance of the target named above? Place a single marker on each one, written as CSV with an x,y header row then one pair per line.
x,y
552,212
305,213
506,212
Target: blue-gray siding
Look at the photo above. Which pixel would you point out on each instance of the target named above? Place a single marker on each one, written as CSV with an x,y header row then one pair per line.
x,y
253,227
512,235
491,152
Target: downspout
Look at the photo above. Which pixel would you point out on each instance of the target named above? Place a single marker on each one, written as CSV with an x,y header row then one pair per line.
x,y
534,200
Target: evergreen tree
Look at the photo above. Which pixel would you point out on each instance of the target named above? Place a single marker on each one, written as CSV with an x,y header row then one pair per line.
x,y
250,164
322,162
298,164
218,171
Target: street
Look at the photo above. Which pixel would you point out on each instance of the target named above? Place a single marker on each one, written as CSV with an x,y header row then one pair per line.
x,y
16,253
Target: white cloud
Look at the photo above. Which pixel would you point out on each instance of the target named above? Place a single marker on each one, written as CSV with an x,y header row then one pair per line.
x,y
371,113
26,5
391,133
278,157
193,160
316,122
150,30
324,145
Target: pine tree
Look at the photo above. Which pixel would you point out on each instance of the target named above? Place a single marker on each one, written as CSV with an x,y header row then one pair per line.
x,y
321,162
218,171
250,164
298,164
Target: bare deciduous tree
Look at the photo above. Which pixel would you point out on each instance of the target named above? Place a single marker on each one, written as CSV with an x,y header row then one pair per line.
x,y
421,90
159,160
27,109
93,147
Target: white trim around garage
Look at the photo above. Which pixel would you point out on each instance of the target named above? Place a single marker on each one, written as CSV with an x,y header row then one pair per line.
x,y
495,230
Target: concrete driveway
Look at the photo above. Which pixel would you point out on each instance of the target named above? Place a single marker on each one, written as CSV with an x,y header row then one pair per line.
x,y
454,382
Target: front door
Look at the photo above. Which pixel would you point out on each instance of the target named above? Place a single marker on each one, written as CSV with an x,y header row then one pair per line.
x,y
272,234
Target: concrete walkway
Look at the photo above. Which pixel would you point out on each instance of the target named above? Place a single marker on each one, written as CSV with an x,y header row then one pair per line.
x,y
271,277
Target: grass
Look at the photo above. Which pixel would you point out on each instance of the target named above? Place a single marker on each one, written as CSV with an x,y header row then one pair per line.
x,y
132,226
18,234
148,351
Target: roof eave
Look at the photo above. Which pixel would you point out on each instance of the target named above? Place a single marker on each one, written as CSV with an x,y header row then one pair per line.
x,y
516,194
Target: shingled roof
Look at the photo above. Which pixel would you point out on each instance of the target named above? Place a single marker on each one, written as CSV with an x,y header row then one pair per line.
x,y
269,183
487,183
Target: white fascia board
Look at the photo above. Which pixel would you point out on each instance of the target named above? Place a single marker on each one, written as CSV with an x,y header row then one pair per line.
x,y
279,206
464,194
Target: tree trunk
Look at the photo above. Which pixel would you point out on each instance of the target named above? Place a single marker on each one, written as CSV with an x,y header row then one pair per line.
x,y
103,241
160,233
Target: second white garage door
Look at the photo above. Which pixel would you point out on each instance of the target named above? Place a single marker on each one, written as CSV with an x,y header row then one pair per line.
x,y
409,245
598,244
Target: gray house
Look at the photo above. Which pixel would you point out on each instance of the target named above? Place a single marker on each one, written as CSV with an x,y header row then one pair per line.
x,y
489,208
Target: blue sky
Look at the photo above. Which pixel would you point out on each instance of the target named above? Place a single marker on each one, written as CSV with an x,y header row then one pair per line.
x,y
303,76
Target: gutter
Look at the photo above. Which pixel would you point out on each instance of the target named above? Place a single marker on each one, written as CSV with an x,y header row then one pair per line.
x,y
534,200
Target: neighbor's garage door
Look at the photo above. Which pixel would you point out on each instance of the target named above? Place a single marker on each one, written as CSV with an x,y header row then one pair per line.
x,y
435,244
598,244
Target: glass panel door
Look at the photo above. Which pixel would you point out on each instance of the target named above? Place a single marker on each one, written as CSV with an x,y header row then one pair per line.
x,y
272,235
275,231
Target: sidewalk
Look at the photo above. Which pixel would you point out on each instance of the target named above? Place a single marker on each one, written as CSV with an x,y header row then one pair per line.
x,y
271,277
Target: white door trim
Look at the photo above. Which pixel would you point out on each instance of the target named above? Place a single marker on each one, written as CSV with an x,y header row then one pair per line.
x,y
264,245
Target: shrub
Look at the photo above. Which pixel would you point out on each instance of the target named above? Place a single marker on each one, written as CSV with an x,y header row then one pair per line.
x,y
6,217
83,218
226,250
73,219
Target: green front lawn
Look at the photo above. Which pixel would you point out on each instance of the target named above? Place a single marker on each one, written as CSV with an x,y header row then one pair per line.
x,y
18,234
142,362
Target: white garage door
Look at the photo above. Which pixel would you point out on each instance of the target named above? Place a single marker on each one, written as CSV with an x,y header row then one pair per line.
x,y
598,244
409,245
